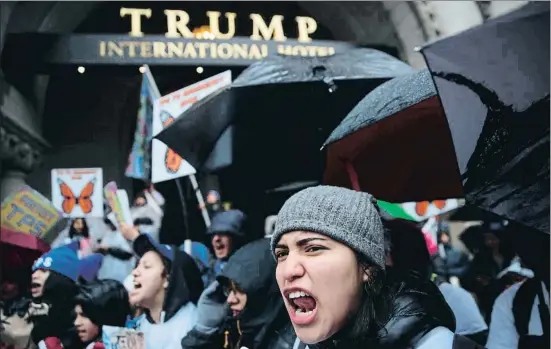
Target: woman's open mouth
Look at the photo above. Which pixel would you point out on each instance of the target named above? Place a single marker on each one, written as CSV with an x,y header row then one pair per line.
x,y
36,289
302,307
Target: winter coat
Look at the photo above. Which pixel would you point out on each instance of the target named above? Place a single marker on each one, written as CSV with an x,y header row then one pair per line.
x,y
53,315
264,323
450,262
118,261
419,318
16,327
179,313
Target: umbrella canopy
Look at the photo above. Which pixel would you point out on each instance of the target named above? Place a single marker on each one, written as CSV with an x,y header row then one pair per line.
x,y
18,251
493,81
491,145
396,144
282,98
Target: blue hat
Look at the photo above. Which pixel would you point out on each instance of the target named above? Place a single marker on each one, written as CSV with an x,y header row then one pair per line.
x,y
63,260
145,243
90,265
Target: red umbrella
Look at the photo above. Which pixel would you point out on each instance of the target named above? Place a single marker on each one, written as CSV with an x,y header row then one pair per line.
x,y
20,250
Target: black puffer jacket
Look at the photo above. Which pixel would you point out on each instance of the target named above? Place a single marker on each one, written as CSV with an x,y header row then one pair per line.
x,y
264,323
417,307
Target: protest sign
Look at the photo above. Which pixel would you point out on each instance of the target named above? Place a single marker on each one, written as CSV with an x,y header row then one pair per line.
x,y
27,211
122,338
77,191
118,204
167,164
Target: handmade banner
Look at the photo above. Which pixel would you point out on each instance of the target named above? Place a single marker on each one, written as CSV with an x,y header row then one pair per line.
x,y
139,160
420,211
167,164
27,211
118,204
122,338
77,191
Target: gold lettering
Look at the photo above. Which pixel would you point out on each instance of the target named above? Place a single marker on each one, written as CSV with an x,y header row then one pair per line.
x,y
176,23
135,19
113,47
146,49
306,26
202,46
175,49
159,49
255,53
214,24
212,49
262,31
241,51
189,51
199,49
224,51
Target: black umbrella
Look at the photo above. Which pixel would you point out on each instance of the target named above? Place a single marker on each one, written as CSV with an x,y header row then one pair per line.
x,y
492,143
396,144
283,96
493,81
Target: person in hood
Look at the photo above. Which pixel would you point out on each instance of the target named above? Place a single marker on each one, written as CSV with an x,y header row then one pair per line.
x,y
257,317
53,287
329,247
408,253
103,302
213,203
226,233
449,261
167,286
147,214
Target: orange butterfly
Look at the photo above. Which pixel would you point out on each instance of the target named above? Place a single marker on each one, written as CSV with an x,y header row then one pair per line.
x,y
172,159
422,208
83,200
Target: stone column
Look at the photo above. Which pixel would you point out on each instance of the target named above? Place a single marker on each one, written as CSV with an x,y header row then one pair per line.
x,y
20,154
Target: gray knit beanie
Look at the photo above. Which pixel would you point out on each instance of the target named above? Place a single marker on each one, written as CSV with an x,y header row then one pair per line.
x,y
348,216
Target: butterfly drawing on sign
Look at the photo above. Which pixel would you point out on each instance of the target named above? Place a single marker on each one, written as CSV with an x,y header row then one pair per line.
x,y
172,159
84,200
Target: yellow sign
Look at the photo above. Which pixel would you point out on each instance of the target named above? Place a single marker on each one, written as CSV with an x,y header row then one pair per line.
x,y
27,211
177,25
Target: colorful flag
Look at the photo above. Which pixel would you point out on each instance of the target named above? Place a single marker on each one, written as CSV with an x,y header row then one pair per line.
x,y
139,160
420,211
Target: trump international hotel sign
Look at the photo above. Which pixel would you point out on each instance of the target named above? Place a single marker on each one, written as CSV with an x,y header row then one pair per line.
x,y
208,43
180,44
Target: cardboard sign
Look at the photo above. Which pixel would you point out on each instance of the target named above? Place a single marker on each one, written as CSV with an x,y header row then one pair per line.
x,y
77,192
27,211
118,202
122,338
167,164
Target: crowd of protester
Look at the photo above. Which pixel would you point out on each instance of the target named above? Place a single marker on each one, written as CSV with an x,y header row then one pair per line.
x,y
336,273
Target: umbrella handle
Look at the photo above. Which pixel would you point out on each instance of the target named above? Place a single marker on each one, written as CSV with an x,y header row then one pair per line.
x,y
352,175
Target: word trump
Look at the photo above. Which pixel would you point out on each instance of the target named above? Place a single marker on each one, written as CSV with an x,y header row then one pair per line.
x,y
177,22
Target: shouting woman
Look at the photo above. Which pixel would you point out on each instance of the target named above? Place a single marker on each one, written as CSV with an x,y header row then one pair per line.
x,y
329,246
167,286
